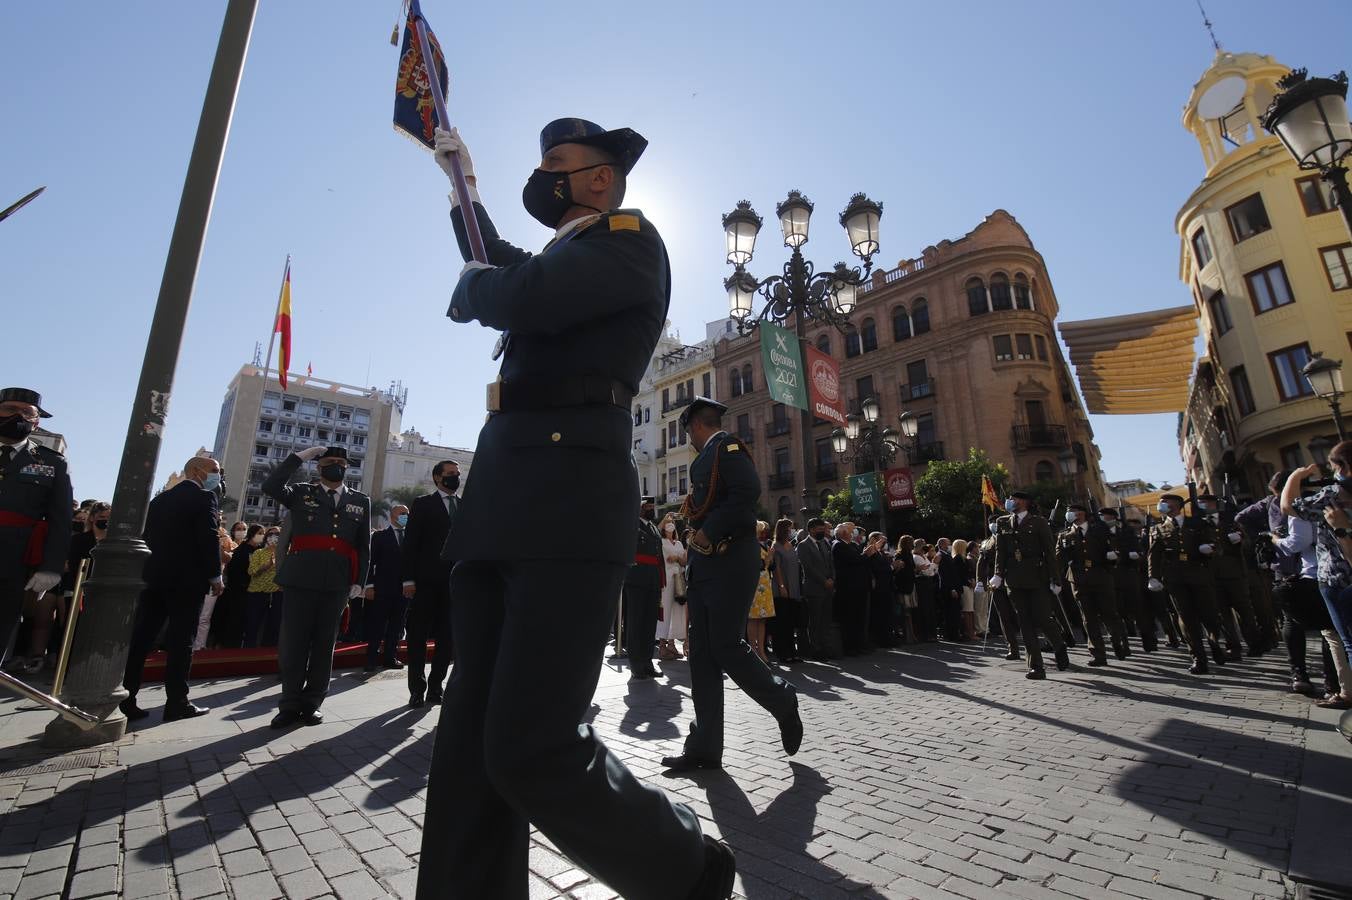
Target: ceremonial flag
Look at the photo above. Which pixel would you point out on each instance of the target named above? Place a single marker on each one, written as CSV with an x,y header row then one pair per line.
x,y
309,369
899,487
283,326
413,106
783,366
823,385
988,497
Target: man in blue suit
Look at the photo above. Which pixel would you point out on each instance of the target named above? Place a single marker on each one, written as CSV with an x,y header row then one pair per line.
x,y
383,617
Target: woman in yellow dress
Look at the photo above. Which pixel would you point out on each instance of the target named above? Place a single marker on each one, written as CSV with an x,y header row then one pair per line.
x,y
763,606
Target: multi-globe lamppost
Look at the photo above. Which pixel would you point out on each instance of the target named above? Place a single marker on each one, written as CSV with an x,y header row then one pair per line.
x,y
1326,380
800,292
1310,118
873,445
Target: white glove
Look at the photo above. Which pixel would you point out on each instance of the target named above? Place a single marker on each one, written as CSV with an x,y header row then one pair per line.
x,y
448,144
1154,585
1112,555
1235,537
1056,589
355,591
1133,555
474,265
996,582
312,453
1205,549
42,582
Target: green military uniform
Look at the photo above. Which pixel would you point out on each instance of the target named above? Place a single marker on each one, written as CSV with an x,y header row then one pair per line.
x,y
642,598
1231,585
1025,561
1009,623
724,488
1175,558
1083,554
1133,604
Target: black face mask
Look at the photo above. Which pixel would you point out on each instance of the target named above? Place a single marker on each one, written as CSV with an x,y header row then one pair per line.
x,y
333,472
649,514
547,196
101,524
16,427
77,527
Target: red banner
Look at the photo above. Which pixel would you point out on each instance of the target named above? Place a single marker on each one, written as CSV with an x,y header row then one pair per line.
x,y
900,488
826,399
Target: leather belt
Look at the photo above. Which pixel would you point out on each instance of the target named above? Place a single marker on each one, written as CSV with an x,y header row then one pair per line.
x,y
522,394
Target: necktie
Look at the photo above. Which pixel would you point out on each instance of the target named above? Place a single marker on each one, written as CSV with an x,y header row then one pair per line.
x,y
333,499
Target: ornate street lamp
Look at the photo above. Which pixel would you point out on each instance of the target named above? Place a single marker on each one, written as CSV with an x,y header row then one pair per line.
x,y
1309,116
910,425
1326,379
800,292
871,409
1068,463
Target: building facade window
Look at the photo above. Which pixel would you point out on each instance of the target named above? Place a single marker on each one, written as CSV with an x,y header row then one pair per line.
x,y
977,304
666,400
1201,248
901,324
1043,471
1268,288
824,343
1220,313
1291,456
1239,386
1023,292
1286,365
925,432
920,323
707,384
1004,348
868,335
785,507
917,377
748,384
735,382
852,344
781,461
1001,298
1041,347
1247,218
1338,266
1315,195
683,475
1024,344
744,426
863,389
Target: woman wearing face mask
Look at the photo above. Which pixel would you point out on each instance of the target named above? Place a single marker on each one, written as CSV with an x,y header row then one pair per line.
x,y
227,618
262,569
674,622
763,606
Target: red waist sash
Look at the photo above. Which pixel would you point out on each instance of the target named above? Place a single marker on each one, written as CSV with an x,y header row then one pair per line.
x,y
32,554
325,542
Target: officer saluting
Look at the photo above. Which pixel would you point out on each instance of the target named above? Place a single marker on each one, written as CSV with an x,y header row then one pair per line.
x,y
1085,555
725,563
35,513
1179,562
1025,564
531,618
324,567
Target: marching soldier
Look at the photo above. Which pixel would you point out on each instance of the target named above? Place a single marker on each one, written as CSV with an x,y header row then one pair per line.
x,y
35,508
725,563
1126,575
531,618
328,551
1230,580
1025,564
985,569
1084,555
643,594
1179,563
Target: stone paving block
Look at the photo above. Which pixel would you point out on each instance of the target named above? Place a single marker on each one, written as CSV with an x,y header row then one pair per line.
x,y
319,841
143,883
334,863
289,859
277,838
365,839
97,856
231,841
307,822
258,886
304,884
93,883
243,862
200,883
357,885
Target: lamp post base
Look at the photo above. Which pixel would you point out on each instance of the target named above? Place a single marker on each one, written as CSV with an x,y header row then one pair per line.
x,y
61,734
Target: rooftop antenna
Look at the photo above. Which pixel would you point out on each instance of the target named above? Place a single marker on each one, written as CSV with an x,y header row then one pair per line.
x,y
258,355
1209,30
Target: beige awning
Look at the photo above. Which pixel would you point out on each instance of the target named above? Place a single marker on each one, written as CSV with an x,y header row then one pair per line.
x,y
1132,364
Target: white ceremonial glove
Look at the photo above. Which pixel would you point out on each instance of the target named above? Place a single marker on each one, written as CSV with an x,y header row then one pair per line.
x,y
42,582
355,591
1155,585
1112,555
1205,549
474,265
1133,555
996,582
312,453
1235,537
1056,589
448,144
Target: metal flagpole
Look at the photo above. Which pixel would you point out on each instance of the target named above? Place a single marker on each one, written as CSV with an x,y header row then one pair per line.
x,y
267,365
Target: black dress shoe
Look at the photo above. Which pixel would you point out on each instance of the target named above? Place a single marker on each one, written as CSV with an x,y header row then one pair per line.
x,y
1062,660
1013,655
1174,645
434,698
1097,661
133,712
313,717
1218,654
720,871
791,731
184,711
285,719
393,664
1198,667
416,702
687,763
642,676
1035,674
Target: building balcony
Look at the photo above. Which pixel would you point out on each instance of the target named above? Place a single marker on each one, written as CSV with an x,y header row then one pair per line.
x,y
264,435
781,480
932,451
306,417
827,471
1039,437
282,439
775,429
661,452
917,391
260,458
357,450
678,403
288,414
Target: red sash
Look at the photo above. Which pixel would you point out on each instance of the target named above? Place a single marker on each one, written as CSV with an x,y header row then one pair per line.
x,y
325,542
32,554
642,559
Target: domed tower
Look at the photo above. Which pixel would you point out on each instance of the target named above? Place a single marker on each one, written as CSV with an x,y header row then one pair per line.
x,y
1267,260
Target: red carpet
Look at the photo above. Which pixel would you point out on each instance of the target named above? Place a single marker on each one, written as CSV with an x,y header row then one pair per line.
x,y
260,661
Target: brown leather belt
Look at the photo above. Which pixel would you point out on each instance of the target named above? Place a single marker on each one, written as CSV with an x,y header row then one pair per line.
x,y
523,394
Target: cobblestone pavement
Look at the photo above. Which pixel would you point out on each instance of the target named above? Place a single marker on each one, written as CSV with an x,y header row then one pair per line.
x,y
938,772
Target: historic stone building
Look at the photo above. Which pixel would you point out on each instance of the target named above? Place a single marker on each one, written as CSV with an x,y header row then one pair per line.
x,y
964,339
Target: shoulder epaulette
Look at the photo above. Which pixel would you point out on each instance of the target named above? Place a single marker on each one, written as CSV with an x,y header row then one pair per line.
x,y
41,450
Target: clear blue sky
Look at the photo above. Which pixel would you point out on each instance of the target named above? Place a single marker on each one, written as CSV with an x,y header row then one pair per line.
x,y
1064,113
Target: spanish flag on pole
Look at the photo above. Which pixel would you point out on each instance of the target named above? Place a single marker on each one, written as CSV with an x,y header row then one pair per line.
x,y
283,325
988,496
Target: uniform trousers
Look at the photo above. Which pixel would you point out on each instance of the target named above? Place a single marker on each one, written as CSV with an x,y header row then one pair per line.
x,y
721,592
383,623
1134,609
1232,601
429,618
1009,622
180,607
1098,606
511,749
11,605
820,622
1196,608
310,621
1034,609
1152,607
641,603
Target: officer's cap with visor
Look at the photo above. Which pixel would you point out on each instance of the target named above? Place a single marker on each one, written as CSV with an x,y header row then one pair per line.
x,y
1077,507
340,452
625,144
1174,497
696,405
24,395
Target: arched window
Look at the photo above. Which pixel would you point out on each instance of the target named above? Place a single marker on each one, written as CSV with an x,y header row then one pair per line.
x,y
1044,471
824,342
868,333
920,317
1000,298
786,506
901,324
735,382
1023,293
748,383
852,343
976,297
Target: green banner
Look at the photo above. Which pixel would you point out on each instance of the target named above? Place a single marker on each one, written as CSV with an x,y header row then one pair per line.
x,y
864,494
783,366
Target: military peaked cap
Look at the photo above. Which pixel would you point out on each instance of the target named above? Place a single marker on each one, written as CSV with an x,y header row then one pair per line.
x,y
1077,507
1174,497
625,144
1108,511
24,395
1021,495
696,405
340,452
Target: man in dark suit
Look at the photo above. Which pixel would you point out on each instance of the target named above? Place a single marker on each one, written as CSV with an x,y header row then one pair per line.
x,y
854,581
185,562
427,580
1025,565
532,616
819,587
35,508
383,617
643,594
327,555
